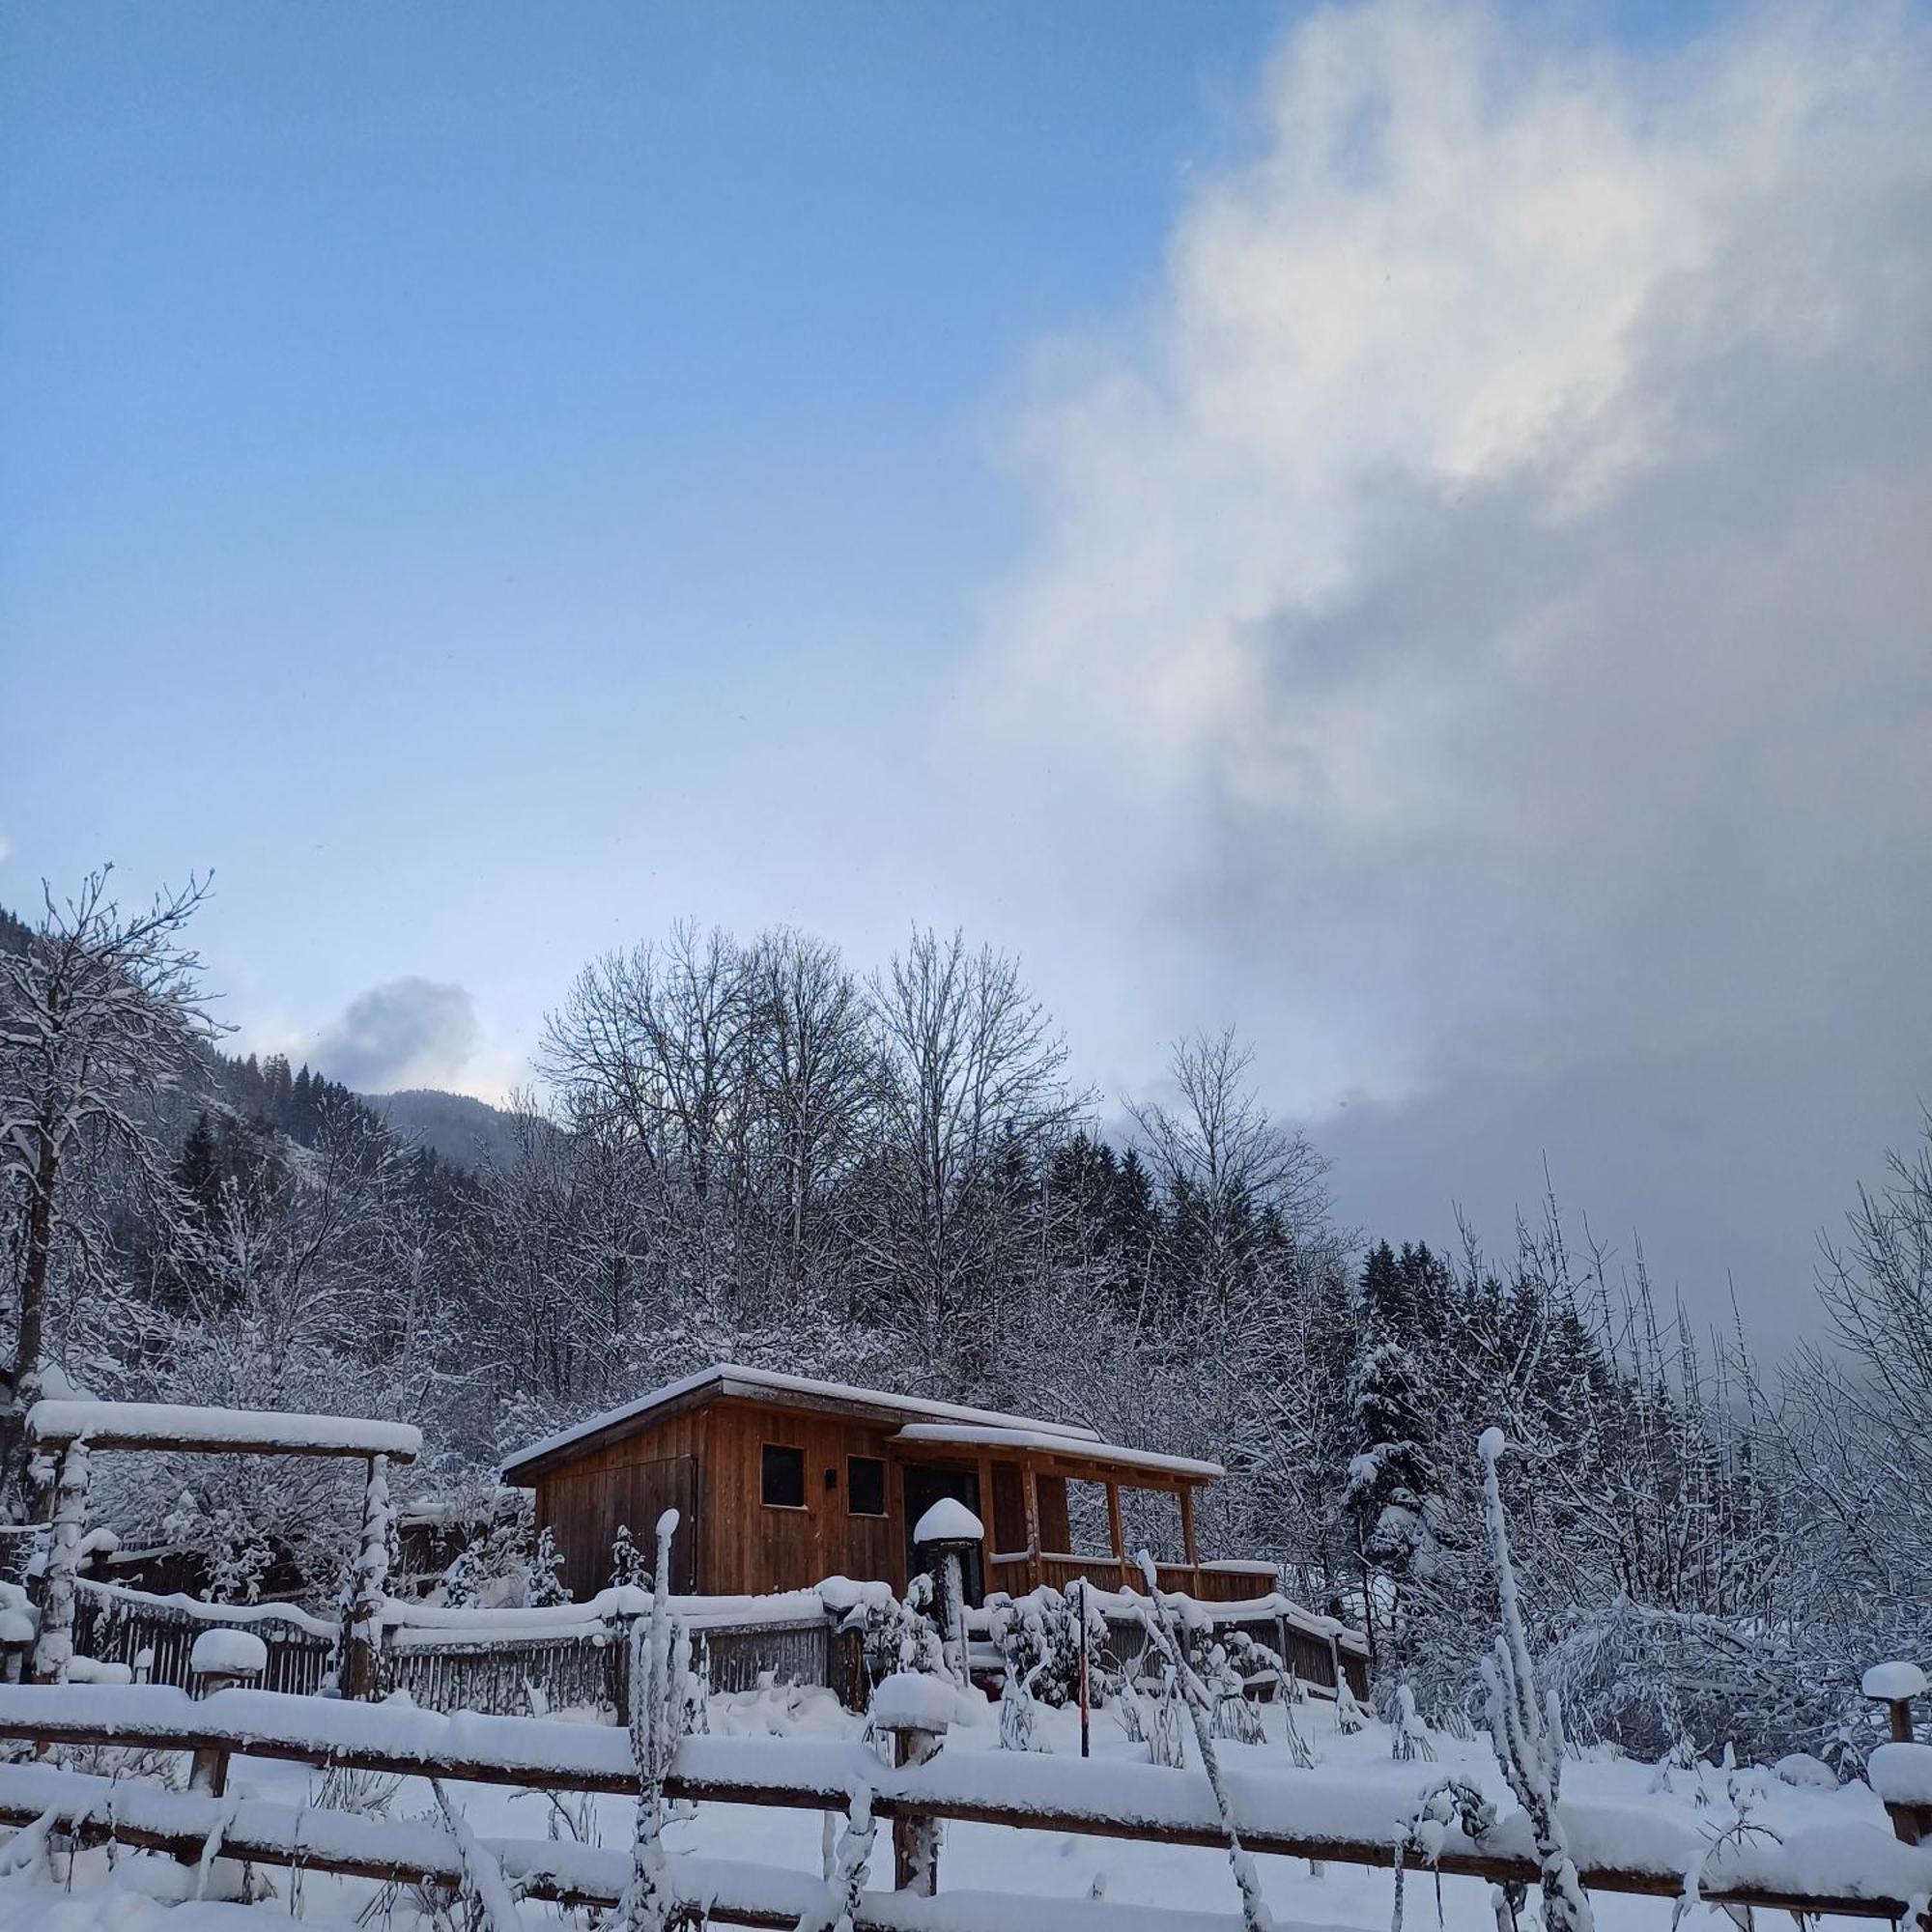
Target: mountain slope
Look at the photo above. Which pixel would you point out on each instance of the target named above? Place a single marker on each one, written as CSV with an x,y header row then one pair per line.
x,y
464,1132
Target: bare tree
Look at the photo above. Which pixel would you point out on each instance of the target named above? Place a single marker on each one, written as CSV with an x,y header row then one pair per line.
x,y
1226,1162
973,1081
99,1017
814,1080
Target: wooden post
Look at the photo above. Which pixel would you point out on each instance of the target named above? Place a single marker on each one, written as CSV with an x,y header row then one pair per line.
x,y
1894,1686
1187,1534
1118,1532
54,1650
368,1589
986,1515
914,1840
221,1660
1030,1492
1085,1748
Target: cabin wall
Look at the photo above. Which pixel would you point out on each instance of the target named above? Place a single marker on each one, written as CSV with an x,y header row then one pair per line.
x,y
753,1548
633,1482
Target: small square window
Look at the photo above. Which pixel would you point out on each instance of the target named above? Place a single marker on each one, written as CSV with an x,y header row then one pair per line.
x,y
782,1477
865,1486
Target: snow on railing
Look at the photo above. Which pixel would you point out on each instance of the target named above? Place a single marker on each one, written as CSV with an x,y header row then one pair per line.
x,y
1363,1815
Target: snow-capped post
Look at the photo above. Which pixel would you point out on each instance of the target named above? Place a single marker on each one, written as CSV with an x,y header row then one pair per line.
x,y
222,1658
648,1904
1527,1731
1894,1686
1200,1702
914,1711
945,1535
54,1650
369,1587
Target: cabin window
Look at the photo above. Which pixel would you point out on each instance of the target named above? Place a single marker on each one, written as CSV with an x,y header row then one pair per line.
x,y
865,1486
782,1477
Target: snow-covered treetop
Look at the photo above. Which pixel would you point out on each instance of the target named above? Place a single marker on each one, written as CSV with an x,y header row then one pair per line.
x,y
949,1521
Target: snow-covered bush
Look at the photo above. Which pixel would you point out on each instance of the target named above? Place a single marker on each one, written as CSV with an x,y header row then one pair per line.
x,y
628,1569
543,1581
896,1634
1038,1639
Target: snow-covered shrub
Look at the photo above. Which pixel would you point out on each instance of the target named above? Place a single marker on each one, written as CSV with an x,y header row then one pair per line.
x,y
1235,1716
1038,1638
463,1578
543,1581
628,1569
1018,1713
896,1636
1408,1735
236,1551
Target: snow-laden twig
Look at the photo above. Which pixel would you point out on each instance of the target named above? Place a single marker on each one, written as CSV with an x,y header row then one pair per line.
x,y
1255,1915
1526,1730
647,1904
482,1876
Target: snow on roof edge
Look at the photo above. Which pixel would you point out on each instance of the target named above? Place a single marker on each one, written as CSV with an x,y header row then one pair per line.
x,y
998,1437
771,1378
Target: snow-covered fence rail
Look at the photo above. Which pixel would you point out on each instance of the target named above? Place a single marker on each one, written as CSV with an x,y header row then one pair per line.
x,y
1850,1868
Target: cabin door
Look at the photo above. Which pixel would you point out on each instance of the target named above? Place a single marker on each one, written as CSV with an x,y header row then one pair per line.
x,y
925,1487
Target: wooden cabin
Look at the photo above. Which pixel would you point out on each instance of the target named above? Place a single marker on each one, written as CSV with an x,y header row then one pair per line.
x,y
779,1481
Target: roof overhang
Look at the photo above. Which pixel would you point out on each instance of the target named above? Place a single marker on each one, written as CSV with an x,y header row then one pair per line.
x,y
1056,1454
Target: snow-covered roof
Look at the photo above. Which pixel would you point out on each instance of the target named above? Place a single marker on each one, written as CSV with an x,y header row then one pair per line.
x,y
733,1379
167,1425
1027,1436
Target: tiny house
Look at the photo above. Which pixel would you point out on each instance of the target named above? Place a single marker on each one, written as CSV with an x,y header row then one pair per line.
x,y
781,1482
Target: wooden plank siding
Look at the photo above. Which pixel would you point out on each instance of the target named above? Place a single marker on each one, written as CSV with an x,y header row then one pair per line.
x,y
632,1481
750,1546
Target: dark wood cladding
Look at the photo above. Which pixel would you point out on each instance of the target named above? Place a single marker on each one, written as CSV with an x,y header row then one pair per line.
x,y
752,1547
630,1480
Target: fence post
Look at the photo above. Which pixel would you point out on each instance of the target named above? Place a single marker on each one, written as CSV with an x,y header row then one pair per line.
x,y
54,1651
915,1839
221,1660
1894,1686
369,1588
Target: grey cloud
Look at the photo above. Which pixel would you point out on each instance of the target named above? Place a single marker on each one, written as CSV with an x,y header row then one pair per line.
x,y
406,1032
1584,793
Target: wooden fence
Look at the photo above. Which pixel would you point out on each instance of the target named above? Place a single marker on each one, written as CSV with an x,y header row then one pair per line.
x,y
448,1666
153,1636
1855,1868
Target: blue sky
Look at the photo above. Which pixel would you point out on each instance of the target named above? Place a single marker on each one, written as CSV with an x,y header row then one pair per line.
x,y
451,450
1384,524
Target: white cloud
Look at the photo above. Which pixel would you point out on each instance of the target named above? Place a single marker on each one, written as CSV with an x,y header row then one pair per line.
x,y
1500,544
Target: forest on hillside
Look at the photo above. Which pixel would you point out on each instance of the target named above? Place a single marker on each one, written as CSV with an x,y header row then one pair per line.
x,y
755,1150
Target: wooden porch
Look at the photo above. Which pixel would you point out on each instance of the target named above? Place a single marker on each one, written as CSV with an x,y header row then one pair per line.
x,y
1023,1484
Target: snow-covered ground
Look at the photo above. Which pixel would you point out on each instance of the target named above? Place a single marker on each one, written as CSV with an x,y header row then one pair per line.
x,y
138,1895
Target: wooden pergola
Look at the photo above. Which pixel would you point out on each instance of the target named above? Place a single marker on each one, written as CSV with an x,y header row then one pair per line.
x,y
1031,1469
69,1430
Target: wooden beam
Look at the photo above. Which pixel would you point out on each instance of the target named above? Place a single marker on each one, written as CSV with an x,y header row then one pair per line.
x,y
1188,1529
1030,1494
1117,1529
